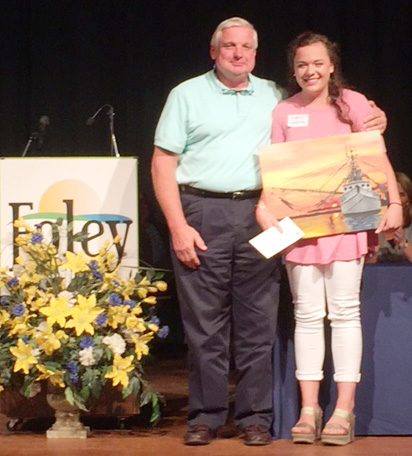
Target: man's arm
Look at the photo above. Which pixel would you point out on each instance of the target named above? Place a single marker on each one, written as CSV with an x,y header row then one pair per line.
x,y
376,120
185,239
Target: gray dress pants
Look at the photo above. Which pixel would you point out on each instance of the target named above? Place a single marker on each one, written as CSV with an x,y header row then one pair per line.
x,y
231,300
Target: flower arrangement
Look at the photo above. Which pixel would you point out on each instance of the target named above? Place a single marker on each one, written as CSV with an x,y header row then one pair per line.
x,y
75,322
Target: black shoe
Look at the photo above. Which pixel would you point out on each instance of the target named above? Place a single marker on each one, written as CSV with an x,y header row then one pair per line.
x,y
198,434
257,434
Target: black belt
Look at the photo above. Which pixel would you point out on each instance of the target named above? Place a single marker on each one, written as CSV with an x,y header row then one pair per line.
x,y
240,195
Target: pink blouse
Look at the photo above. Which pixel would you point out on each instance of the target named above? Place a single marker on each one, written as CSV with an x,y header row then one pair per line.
x,y
321,122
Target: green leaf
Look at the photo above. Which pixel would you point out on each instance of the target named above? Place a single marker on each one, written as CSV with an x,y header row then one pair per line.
x,y
68,394
154,418
85,393
145,397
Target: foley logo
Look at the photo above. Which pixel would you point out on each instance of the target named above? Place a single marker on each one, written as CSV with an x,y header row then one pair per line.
x,y
79,211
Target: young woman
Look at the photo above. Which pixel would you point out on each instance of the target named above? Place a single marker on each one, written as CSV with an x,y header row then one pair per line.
x,y
325,273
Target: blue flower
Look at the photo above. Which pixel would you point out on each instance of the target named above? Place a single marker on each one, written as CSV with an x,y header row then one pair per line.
x,y
73,369
115,299
130,303
93,265
155,320
12,282
163,332
86,342
18,310
3,300
36,238
98,275
101,319
72,366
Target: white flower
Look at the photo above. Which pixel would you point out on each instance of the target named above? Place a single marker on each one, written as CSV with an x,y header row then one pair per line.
x,y
71,299
116,343
67,275
86,357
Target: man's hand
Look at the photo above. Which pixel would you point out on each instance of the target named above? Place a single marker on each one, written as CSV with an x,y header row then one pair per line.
x,y
376,120
185,241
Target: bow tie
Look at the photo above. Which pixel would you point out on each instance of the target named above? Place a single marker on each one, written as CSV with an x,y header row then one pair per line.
x,y
234,92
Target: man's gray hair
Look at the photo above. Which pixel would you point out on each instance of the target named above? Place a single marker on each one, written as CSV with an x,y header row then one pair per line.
x,y
232,22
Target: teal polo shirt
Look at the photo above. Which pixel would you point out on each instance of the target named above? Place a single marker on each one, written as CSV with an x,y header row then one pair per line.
x,y
216,131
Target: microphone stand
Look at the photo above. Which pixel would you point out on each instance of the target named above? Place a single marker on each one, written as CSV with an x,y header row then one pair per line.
x,y
114,151
113,142
33,137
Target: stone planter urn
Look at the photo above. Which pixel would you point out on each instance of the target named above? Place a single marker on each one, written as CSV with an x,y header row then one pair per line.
x,y
67,424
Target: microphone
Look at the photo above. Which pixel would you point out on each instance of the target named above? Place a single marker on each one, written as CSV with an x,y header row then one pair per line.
x,y
43,123
110,112
37,136
91,120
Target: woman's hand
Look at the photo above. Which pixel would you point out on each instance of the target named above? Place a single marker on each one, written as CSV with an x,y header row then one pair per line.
x,y
264,217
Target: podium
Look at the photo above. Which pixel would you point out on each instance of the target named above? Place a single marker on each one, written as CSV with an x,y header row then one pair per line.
x,y
97,197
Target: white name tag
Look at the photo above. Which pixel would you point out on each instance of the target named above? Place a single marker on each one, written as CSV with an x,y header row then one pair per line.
x,y
298,120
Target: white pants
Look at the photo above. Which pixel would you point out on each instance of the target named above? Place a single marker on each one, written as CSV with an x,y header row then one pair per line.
x,y
335,287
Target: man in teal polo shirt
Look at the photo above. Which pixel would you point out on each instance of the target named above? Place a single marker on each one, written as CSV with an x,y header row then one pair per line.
x,y
207,181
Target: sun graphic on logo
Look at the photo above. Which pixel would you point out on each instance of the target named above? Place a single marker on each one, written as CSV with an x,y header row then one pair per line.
x,y
85,199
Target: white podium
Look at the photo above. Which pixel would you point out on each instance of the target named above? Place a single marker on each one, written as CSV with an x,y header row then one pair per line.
x,y
94,196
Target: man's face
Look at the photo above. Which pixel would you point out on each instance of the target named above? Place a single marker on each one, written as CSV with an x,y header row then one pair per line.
x,y
235,54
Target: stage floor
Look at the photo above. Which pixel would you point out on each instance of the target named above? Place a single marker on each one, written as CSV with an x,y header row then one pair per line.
x,y
169,378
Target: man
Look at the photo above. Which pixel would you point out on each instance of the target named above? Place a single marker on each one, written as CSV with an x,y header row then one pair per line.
x,y
207,181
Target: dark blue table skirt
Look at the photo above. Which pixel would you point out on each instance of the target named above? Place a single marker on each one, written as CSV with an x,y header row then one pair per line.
x,y
384,397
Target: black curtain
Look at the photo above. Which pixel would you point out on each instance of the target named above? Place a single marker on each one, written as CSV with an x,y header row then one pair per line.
x,y
65,58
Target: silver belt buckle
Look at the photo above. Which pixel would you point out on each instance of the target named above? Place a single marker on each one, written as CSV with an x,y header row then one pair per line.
x,y
237,195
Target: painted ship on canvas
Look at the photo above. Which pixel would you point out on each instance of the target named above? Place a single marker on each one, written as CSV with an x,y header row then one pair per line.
x,y
350,198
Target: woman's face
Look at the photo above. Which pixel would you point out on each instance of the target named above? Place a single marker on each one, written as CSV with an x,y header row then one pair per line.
x,y
403,195
313,68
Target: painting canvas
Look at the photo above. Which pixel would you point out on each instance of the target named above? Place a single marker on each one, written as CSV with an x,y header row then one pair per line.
x,y
327,185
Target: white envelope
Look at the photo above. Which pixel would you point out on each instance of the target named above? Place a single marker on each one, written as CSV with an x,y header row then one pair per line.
x,y
272,241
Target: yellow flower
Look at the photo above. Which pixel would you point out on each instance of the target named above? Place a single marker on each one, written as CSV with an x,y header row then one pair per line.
x,y
39,301
153,327
82,319
57,311
140,343
142,292
152,289
117,316
132,322
46,338
144,282
60,334
20,260
76,262
19,325
117,239
4,317
86,303
54,376
150,300
1,388
21,223
121,367
161,285
137,310
24,355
